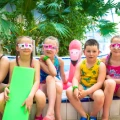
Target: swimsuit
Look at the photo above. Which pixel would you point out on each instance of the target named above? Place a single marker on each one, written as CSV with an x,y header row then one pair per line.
x,y
113,71
43,75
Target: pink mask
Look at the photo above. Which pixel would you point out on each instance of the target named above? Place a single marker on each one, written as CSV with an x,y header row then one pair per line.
x,y
25,45
49,47
115,45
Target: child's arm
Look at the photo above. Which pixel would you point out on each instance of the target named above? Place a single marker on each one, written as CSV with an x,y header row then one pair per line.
x,y
37,78
4,67
100,79
62,72
48,67
115,79
29,101
77,76
6,91
75,81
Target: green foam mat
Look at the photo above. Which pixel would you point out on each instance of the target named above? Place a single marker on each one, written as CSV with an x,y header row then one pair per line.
x,y
20,87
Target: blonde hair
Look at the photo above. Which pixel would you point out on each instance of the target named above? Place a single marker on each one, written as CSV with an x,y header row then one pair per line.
x,y
53,39
21,37
17,53
116,36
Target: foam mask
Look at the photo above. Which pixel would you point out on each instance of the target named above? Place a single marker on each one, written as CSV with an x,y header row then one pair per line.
x,y
115,45
25,45
49,47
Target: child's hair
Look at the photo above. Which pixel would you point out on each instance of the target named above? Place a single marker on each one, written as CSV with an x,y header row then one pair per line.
x,y
53,39
17,53
91,42
116,36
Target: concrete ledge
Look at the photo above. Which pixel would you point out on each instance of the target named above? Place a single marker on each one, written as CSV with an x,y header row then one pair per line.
x,y
69,113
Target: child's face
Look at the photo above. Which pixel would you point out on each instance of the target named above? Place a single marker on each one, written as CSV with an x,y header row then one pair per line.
x,y
25,46
115,46
50,48
91,52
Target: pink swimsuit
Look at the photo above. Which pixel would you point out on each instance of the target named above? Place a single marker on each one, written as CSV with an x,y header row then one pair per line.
x,y
114,72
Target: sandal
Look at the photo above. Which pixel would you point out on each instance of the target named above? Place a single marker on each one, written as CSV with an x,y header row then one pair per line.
x,y
46,118
83,118
93,118
39,118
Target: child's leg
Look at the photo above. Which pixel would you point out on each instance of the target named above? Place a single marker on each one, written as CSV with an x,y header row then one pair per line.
x,y
0,116
118,92
59,88
2,86
2,102
98,97
109,87
40,102
51,93
76,103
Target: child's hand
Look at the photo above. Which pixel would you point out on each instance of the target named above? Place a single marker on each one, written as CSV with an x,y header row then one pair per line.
x,y
41,58
65,81
108,77
82,94
76,94
28,103
6,92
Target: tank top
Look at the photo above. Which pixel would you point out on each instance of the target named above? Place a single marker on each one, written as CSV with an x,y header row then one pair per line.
x,y
5,81
89,75
43,75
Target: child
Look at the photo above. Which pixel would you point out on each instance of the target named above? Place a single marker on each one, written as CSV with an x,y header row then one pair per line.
x,y
88,79
4,67
112,82
51,84
24,58
4,76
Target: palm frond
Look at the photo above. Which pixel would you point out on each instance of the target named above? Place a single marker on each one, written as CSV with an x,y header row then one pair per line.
x,y
54,6
62,30
107,28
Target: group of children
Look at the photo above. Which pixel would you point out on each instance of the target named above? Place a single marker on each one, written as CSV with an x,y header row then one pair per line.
x,y
98,78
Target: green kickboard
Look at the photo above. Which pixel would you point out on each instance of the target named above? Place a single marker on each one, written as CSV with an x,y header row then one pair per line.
x,y
20,87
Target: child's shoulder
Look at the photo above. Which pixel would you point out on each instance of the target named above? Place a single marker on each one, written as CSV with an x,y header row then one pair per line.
x,y
103,59
35,61
59,58
4,58
61,61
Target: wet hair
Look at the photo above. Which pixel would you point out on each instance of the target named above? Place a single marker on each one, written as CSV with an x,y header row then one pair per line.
x,y
17,53
91,42
53,39
116,36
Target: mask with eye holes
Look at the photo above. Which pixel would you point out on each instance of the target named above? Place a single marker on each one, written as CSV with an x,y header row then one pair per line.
x,y
25,45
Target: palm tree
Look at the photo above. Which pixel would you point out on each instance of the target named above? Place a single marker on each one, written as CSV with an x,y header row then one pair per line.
x,y
65,19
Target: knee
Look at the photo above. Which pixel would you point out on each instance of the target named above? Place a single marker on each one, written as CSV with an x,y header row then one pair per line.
x,y
69,92
59,88
40,96
109,84
50,79
99,98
